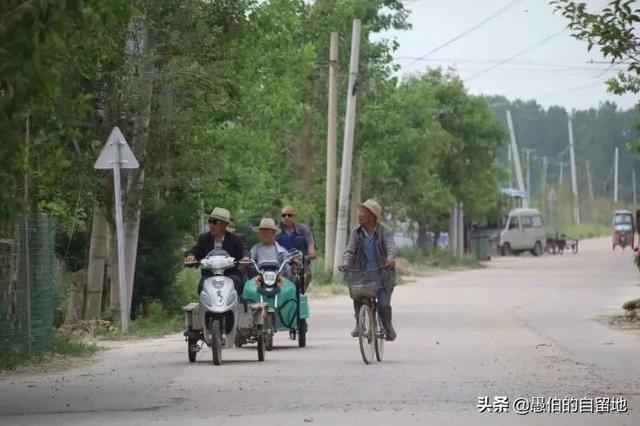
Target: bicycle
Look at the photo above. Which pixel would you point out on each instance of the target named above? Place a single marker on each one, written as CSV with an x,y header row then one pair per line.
x,y
371,332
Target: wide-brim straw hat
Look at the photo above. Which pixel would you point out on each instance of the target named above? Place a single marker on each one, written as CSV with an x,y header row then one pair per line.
x,y
373,206
268,223
221,214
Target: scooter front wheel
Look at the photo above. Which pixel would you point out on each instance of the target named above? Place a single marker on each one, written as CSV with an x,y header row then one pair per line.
x,y
216,342
302,333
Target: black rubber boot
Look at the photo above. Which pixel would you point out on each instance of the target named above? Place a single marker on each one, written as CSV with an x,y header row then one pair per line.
x,y
385,316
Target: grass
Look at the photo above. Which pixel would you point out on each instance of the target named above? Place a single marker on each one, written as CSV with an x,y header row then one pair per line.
x,y
585,230
436,259
63,345
158,323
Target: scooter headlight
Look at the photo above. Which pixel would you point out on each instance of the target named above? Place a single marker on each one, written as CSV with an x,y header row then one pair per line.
x,y
269,278
204,297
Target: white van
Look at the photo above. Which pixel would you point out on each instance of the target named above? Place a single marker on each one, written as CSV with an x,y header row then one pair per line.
x,y
524,231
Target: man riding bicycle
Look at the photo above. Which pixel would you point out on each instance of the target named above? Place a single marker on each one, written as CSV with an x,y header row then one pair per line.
x,y
371,247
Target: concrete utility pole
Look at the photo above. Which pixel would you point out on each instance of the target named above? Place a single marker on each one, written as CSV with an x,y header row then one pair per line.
x,y
561,178
453,229
509,163
633,179
460,232
589,181
574,180
615,177
347,152
544,176
528,152
332,131
356,193
516,157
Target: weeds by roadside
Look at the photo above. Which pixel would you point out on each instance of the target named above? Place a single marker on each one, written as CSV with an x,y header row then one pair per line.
x,y
63,345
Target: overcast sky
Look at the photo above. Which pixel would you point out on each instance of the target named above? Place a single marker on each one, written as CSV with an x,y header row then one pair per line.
x,y
554,69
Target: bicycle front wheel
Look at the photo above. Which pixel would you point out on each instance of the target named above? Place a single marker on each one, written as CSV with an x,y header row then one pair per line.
x,y
366,333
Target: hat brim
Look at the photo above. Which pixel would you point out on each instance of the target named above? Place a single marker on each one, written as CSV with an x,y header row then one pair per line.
x,y
222,219
368,208
258,228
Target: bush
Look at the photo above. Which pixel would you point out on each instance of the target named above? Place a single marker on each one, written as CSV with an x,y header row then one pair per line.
x,y
436,258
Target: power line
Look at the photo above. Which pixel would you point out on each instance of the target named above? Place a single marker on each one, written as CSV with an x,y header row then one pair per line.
x,y
520,53
468,31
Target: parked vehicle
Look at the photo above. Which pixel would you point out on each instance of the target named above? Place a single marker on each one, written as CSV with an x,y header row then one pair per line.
x,y
288,308
623,229
524,231
221,319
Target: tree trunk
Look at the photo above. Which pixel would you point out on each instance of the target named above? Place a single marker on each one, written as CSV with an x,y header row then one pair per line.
x,y
422,238
97,256
138,93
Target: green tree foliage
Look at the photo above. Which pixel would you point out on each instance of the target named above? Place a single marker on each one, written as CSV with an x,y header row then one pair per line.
x,y
428,143
614,30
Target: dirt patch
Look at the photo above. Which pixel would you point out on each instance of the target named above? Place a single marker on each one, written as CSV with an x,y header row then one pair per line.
x,y
627,321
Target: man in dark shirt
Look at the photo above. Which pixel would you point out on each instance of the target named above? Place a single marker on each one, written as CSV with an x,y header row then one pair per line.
x,y
219,238
295,235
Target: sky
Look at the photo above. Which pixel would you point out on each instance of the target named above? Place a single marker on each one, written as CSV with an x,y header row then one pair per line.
x,y
553,68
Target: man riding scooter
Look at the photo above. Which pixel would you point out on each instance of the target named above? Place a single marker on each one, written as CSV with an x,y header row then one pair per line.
x,y
295,235
371,247
219,238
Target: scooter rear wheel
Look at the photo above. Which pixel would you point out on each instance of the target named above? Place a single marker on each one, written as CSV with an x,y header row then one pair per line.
x,y
191,351
261,346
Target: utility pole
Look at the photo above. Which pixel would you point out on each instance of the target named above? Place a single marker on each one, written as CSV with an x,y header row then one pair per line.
x,y
509,163
633,179
347,152
516,157
615,177
453,229
460,232
332,131
574,180
589,181
561,178
528,152
544,176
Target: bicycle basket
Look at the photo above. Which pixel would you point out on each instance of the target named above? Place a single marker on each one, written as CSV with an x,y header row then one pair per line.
x,y
363,285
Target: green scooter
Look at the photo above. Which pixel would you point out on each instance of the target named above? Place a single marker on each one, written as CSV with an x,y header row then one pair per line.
x,y
288,307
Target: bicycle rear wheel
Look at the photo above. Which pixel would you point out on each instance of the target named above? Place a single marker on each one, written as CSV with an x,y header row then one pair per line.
x,y
366,333
380,332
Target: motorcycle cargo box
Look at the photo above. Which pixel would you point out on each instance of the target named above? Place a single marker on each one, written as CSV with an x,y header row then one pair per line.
x,y
251,314
193,316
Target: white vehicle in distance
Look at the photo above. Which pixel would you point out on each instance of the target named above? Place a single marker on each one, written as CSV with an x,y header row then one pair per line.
x,y
524,231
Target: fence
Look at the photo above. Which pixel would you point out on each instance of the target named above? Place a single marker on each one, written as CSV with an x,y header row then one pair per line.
x,y
27,261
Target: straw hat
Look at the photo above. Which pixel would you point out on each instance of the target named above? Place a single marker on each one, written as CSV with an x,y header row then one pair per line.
x,y
268,223
373,206
221,214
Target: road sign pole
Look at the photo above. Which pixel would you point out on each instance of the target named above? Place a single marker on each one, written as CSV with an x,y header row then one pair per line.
x,y
117,155
124,314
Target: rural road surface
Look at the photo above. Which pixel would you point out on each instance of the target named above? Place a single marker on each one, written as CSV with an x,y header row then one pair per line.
x,y
521,328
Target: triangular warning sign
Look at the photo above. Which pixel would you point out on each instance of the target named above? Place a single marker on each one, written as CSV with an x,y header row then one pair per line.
x,y
115,143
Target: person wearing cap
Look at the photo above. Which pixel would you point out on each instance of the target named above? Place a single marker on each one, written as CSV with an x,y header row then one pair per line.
x,y
295,235
219,238
371,247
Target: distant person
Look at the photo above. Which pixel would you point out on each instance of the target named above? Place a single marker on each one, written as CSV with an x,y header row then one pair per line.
x,y
219,238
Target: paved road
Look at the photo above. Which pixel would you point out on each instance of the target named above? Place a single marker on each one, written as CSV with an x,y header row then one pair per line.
x,y
523,327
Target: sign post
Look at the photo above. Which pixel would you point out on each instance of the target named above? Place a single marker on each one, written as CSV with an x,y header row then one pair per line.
x,y
117,155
